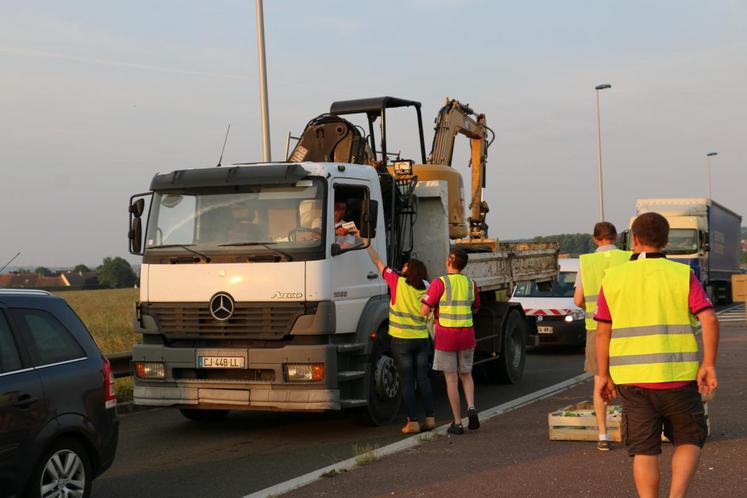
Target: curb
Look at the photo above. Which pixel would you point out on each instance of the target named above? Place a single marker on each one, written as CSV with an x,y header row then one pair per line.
x,y
412,441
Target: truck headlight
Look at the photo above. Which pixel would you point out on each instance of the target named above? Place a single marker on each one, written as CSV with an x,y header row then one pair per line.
x,y
304,372
575,315
150,370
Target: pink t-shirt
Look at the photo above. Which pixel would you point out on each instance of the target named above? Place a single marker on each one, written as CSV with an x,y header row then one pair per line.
x,y
450,338
697,301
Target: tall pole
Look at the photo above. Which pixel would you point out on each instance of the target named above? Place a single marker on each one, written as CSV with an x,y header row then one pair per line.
x,y
266,155
708,161
599,149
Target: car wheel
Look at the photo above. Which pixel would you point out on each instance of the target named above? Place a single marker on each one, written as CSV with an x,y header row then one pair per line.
x,y
64,470
203,415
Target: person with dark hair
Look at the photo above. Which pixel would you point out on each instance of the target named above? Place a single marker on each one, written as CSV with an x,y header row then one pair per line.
x,y
588,280
409,336
647,352
455,297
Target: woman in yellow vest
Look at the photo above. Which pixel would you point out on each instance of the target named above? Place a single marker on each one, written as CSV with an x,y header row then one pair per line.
x,y
409,337
647,352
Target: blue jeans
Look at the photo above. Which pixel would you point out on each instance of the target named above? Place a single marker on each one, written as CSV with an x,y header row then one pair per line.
x,y
411,356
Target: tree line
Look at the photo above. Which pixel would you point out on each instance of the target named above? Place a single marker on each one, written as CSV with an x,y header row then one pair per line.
x,y
112,273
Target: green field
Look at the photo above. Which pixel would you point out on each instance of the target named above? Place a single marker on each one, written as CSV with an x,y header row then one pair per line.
x,y
108,315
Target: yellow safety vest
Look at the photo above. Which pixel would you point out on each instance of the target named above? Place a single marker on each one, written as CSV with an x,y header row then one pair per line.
x,y
455,305
405,320
653,336
593,266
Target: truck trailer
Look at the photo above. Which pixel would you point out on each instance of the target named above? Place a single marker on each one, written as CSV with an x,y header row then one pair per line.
x,y
250,301
704,235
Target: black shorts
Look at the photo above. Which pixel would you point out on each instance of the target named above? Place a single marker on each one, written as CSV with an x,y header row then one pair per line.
x,y
679,412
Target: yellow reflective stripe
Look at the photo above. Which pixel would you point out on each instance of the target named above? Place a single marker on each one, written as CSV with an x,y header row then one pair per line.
x,y
406,326
642,359
649,330
402,314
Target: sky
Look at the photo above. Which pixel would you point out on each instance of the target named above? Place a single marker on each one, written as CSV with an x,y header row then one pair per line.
x,y
96,97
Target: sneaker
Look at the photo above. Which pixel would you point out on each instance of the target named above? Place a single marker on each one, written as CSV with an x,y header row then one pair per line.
x,y
455,429
474,422
429,424
411,427
603,445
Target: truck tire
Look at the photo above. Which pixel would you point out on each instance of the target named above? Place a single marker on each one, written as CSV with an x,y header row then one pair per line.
x,y
384,389
203,415
509,367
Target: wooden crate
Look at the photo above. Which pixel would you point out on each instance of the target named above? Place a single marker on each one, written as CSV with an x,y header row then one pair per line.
x,y
578,423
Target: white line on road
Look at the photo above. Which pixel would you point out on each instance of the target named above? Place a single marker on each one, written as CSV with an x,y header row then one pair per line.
x,y
409,442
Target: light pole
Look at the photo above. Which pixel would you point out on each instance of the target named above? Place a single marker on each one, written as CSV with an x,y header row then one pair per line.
x,y
603,86
708,161
266,156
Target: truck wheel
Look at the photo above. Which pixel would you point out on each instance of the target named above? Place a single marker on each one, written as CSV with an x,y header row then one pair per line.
x,y
203,415
509,367
384,390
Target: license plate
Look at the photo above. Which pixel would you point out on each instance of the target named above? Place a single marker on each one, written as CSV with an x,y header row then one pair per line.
x,y
544,330
221,362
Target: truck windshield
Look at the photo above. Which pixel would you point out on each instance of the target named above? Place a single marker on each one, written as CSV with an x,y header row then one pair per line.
x,y
284,222
682,241
562,287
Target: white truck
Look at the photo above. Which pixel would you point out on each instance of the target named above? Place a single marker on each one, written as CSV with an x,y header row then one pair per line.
x,y
250,301
704,235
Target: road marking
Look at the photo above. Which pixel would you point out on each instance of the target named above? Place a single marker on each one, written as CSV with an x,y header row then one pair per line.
x,y
733,314
412,441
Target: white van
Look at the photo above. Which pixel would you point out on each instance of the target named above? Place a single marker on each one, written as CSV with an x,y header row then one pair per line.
x,y
551,309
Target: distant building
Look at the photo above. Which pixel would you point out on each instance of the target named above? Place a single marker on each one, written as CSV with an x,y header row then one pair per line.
x,y
62,280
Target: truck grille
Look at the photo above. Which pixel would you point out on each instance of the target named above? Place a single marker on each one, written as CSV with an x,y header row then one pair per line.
x,y
249,320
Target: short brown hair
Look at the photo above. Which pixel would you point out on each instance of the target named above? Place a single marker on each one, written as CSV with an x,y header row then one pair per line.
x,y
651,229
604,230
416,273
458,257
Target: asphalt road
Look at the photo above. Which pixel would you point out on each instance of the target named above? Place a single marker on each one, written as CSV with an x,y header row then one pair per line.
x,y
163,454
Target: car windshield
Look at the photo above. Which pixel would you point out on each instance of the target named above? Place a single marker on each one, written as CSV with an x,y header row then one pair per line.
x,y
682,241
562,287
285,220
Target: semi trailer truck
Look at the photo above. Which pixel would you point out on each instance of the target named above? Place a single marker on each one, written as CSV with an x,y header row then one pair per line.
x,y
249,300
704,235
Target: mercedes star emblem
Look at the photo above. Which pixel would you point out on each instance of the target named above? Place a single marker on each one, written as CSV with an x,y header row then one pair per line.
x,y
221,306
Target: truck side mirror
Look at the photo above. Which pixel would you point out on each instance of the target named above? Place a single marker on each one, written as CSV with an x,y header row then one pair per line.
x,y
137,208
623,240
369,219
136,235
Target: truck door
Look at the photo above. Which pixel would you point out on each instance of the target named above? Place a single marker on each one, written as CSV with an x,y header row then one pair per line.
x,y
354,277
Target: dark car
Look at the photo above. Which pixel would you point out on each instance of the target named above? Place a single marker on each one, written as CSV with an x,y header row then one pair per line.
x,y
58,422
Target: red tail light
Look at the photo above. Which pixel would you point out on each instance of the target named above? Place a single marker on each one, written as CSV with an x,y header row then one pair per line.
x,y
110,390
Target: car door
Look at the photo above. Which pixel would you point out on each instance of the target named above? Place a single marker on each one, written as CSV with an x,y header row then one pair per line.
x,y
59,360
22,408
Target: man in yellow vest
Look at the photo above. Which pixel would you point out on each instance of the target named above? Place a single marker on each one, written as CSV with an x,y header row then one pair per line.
x,y
647,351
592,268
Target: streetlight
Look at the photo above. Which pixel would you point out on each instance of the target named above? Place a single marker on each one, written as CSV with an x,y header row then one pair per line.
x,y
266,156
603,86
708,160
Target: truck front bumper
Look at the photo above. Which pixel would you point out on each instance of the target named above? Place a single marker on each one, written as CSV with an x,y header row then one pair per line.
x,y
188,386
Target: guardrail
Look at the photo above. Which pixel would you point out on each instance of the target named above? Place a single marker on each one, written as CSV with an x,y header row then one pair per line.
x,y
121,364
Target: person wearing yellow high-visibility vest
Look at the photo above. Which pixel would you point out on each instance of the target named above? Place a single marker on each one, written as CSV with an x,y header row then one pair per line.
x,y
409,337
592,268
647,352
455,297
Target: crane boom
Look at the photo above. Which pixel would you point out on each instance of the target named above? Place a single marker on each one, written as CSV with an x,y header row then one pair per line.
x,y
453,119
